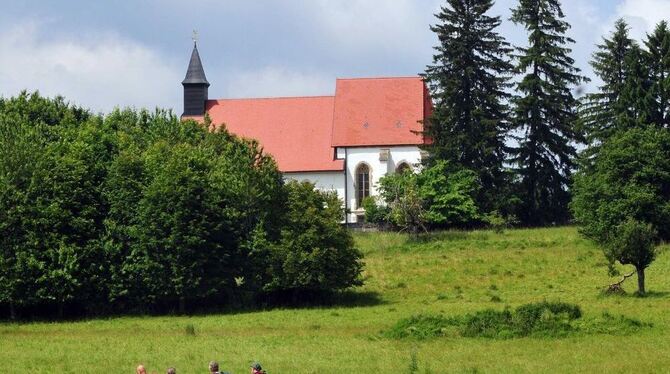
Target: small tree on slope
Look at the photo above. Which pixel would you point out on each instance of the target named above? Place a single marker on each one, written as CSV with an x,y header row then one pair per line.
x,y
623,200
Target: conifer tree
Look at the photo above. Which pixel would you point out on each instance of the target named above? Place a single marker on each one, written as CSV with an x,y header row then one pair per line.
x,y
615,62
633,108
545,113
658,63
468,80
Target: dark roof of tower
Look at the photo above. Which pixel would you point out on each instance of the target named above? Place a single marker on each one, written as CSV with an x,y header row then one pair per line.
x,y
195,73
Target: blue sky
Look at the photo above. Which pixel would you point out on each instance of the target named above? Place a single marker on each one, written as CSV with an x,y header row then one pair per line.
x,y
134,53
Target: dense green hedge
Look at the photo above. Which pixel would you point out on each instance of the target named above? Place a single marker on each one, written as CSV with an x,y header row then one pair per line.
x,y
140,211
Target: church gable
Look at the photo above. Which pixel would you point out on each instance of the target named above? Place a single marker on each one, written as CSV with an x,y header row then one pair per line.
x,y
379,112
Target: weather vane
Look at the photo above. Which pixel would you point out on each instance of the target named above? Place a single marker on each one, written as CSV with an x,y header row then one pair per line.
x,y
195,36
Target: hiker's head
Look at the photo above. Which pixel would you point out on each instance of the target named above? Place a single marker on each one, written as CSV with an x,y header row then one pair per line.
x,y
256,368
213,366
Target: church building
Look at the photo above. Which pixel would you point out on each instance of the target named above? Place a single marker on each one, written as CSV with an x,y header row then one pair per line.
x,y
346,142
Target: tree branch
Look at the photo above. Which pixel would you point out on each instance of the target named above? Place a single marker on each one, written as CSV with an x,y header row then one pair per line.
x,y
616,287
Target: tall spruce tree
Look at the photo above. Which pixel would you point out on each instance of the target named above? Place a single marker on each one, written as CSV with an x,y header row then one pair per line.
x,y
615,63
545,113
468,80
658,63
634,107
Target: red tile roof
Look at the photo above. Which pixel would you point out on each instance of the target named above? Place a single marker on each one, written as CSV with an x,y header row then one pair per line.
x,y
296,131
379,111
302,132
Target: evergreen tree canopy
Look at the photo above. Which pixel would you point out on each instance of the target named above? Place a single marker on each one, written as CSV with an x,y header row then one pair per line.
x,y
658,63
468,80
615,62
545,113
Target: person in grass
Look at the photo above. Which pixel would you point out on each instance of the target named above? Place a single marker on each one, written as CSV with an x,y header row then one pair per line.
x,y
141,370
257,369
214,368
171,371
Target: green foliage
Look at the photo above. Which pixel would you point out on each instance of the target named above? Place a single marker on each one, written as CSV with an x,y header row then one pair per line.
x,y
439,196
657,63
413,367
544,319
374,212
624,197
51,162
539,319
401,194
449,195
315,252
469,81
607,111
136,209
632,242
544,113
498,222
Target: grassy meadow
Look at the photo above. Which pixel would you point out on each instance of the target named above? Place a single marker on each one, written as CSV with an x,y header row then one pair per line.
x,y
450,273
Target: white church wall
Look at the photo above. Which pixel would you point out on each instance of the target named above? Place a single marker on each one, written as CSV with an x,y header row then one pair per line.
x,y
325,181
371,156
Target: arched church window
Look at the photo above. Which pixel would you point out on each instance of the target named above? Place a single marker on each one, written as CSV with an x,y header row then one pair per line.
x,y
403,167
362,183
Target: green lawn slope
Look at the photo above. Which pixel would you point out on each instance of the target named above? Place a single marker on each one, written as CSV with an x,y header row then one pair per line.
x,y
450,273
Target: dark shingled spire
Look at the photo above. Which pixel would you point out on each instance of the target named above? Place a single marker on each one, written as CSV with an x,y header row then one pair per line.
x,y
195,73
195,86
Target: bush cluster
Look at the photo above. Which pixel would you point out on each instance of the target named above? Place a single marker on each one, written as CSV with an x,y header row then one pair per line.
x,y
538,319
141,211
544,319
437,197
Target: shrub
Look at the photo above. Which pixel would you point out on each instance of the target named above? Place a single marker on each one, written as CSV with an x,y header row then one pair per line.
x,y
375,213
498,223
537,319
439,196
449,195
315,251
545,319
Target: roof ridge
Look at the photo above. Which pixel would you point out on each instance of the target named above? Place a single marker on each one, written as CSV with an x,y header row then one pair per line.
x,y
381,78
274,98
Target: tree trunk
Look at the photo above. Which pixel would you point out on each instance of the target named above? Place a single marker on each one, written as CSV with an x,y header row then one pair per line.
x,y
182,305
640,281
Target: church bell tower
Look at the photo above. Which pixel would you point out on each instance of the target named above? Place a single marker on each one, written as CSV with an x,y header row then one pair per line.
x,y
195,86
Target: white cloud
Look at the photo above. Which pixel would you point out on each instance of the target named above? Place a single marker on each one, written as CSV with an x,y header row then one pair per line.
x,y
100,72
278,81
385,24
643,15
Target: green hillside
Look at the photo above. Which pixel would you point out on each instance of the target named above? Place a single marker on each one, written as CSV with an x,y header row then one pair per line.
x,y
450,274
